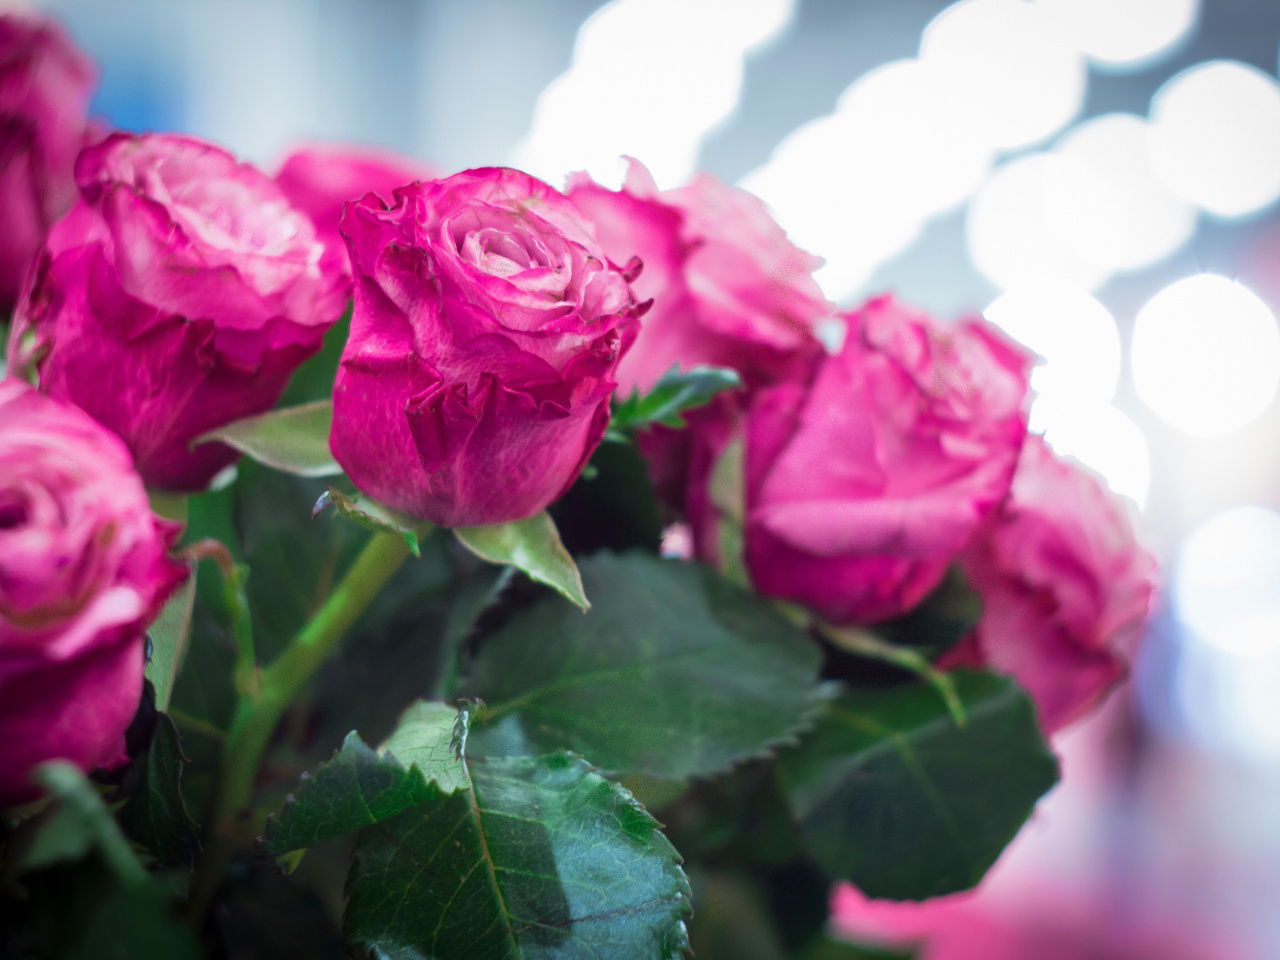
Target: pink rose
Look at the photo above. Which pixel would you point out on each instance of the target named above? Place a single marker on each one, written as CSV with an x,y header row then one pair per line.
x,y
178,295
728,288
487,328
864,481
320,179
83,570
1065,586
45,86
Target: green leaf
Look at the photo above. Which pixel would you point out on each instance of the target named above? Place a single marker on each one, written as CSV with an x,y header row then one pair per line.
x,y
372,515
828,948
888,792
671,395
292,439
360,787
77,823
155,815
169,635
673,672
727,491
135,924
532,546
542,858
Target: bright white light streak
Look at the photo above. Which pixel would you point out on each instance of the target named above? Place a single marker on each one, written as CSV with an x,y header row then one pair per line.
x,y
1206,355
1124,33
1099,436
1215,137
1131,219
1010,69
1227,581
1073,333
649,79
1011,230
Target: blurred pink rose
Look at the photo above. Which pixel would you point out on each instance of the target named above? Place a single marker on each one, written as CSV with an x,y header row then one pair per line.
x,y
1062,926
1065,586
45,86
319,179
864,481
178,295
728,288
487,328
83,570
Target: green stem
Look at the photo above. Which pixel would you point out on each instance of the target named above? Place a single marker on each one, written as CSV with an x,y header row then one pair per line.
x,y
281,682
867,644
278,685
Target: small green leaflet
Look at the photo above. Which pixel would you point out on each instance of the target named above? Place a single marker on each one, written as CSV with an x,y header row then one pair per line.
x,y
532,546
155,815
292,439
887,791
672,394
360,786
77,823
372,515
673,672
169,635
541,858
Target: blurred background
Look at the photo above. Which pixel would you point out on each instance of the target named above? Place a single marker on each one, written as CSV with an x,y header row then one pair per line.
x,y
1099,177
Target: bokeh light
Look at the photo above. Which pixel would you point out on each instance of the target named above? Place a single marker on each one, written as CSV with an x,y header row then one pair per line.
x,y
1125,33
1074,334
1010,226
1012,72
649,79
1215,137
1101,437
1206,355
1227,581
1129,219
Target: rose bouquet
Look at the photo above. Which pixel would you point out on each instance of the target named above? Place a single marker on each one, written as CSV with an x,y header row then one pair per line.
x,y
401,631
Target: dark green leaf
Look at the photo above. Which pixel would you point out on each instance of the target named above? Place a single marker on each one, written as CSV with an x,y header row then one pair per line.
x,y
155,815
360,787
542,858
169,635
314,379
827,948
891,794
372,515
533,547
292,439
939,621
671,395
76,824
614,510
136,925
262,914
673,672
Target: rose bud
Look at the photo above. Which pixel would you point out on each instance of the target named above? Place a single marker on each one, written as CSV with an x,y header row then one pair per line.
x,y
179,294
1065,587
864,481
320,179
486,331
83,570
45,86
728,288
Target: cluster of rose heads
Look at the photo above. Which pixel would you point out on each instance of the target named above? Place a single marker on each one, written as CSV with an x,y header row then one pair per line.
x,y
865,472
493,319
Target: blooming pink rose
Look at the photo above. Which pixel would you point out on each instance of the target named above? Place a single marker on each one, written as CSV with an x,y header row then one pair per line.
x,y
83,570
864,481
45,86
487,328
1065,586
178,295
728,288
319,179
